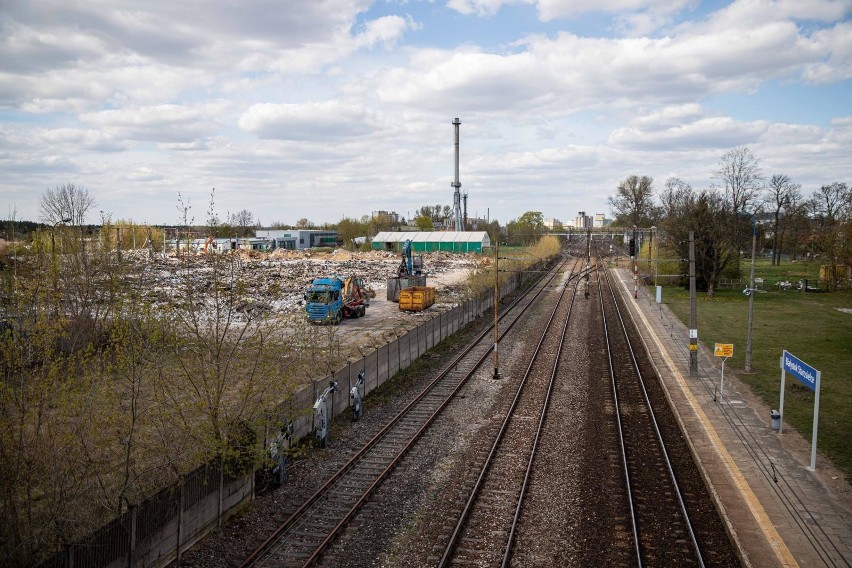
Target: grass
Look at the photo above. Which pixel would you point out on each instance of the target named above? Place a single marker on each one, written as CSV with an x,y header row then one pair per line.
x,y
808,325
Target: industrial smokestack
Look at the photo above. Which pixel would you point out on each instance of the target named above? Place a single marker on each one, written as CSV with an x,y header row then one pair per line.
x,y
457,214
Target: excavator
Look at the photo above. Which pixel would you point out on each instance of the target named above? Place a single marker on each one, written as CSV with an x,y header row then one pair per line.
x,y
408,273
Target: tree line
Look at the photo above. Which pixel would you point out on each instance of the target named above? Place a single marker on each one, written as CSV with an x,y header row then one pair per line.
x,y
740,202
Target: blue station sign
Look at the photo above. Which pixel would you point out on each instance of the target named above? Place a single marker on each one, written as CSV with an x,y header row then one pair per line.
x,y
806,374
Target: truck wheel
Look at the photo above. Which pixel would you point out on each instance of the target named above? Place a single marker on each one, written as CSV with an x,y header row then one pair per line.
x,y
362,311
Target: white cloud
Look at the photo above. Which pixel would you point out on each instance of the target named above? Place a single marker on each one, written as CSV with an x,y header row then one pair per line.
x,y
160,123
321,121
269,101
386,30
676,131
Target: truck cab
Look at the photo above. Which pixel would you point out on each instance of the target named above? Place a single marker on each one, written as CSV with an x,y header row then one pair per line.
x,y
323,302
329,300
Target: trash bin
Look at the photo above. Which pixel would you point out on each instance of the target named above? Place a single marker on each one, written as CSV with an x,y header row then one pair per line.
x,y
776,419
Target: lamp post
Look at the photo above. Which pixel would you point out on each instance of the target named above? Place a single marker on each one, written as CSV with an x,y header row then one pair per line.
x,y
650,255
53,233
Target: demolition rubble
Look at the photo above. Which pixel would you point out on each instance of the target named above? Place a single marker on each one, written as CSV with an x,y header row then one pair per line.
x,y
274,282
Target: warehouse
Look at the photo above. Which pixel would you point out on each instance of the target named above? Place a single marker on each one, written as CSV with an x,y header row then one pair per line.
x,y
433,241
299,239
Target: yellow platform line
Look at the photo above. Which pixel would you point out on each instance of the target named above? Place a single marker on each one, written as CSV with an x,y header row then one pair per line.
x,y
782,553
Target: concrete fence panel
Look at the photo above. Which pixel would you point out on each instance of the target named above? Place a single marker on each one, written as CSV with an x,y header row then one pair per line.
x,y
382,356
393,358
405,351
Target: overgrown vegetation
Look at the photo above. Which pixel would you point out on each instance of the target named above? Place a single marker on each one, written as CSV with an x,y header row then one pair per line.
x,y
511,260
105,399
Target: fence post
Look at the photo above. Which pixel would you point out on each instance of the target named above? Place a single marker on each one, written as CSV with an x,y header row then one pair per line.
x,y
132,512
180,516
221,491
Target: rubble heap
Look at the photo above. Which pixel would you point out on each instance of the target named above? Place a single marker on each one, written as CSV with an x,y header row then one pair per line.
x,y
276,281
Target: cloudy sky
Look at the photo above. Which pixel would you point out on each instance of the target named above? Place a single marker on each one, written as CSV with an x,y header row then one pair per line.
x,y
321,109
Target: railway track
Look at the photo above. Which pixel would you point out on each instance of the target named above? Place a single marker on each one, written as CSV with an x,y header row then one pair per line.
x,y
499,477
666,502
303,537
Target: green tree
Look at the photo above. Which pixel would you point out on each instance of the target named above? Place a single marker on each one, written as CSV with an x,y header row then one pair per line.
x,y
526,229
633,203
709,216
348,229
424,222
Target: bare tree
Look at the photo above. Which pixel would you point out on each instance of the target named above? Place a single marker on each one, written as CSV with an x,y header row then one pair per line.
x,y
244,221
739,172
832,206
781,193
633,205
65,203
675,196
832,201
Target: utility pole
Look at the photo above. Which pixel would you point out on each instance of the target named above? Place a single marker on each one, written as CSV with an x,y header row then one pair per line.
x,y
496,303
650,254
693,310
634,255
751,296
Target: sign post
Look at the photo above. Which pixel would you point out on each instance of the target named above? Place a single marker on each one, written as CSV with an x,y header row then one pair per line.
x,y
809,377
723,350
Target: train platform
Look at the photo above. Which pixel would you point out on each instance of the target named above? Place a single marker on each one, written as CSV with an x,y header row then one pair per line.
x,y
778,511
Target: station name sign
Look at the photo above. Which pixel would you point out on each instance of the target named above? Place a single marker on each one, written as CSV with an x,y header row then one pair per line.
x,y
806,374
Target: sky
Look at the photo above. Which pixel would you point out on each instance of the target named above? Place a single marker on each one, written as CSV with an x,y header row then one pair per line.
x,y
324,109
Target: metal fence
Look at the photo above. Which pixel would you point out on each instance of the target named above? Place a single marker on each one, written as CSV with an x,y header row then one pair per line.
x,y
158,530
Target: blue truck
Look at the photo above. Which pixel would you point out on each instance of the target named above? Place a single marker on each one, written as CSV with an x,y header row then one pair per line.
x,y
329,300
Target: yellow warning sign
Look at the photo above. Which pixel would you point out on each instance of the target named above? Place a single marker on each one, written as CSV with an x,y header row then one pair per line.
x,y
724,350
693,347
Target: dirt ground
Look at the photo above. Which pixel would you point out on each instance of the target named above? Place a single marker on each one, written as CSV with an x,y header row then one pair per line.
x,y
275,283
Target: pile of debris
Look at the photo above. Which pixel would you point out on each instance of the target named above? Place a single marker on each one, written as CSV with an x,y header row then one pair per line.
x,y
276,281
